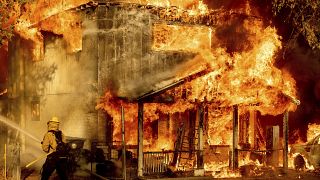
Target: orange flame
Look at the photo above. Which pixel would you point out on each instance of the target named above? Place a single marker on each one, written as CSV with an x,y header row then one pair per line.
x,y
167,3
67,24
50,16
247,78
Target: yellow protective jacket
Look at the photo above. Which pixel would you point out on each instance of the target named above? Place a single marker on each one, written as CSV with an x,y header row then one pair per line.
x,y
49,143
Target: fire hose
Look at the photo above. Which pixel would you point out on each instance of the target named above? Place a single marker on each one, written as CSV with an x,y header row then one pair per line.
x,y
39,158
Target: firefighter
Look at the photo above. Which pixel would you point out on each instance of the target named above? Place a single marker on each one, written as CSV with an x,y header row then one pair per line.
x,y
54,143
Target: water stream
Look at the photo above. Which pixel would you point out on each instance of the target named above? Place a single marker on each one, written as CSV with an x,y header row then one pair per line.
x,y
11,124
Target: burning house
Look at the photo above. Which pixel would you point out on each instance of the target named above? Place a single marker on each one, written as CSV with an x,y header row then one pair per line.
x,y
192,82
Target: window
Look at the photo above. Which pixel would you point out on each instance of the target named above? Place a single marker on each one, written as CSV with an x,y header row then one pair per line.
x,y
35,109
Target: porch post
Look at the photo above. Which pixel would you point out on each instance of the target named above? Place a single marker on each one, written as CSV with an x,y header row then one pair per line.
x,y
124,167
140,139
234,161
200,164
285,139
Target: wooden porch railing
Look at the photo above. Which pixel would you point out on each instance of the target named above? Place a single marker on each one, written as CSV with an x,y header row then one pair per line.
x,y
156,162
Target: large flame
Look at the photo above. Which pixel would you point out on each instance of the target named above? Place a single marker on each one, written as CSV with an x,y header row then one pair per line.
x,y
67,24
50,16
246,77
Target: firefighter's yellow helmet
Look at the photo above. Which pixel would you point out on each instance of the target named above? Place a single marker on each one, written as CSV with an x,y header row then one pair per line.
x,y
54,119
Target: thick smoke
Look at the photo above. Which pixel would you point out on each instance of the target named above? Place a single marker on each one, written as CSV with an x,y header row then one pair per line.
x,y
234,36
304,65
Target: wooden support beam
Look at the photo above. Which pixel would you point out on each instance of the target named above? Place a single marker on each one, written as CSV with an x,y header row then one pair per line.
x,y
109,133
124,173
272,144
192,130
285,139
140,139
200,163
244,130
234,155
253,129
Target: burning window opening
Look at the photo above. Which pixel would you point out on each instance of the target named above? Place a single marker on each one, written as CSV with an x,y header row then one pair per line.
x,y
35,109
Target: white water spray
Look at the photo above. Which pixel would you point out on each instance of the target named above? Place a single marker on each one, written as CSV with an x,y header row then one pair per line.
x,y
7,122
